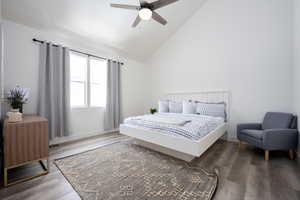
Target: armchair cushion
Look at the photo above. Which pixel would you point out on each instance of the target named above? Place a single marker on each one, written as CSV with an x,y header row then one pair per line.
x,y
276,120
256,134
253,126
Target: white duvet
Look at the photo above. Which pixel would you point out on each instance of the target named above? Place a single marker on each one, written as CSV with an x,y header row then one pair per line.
x,y
162,119
190,126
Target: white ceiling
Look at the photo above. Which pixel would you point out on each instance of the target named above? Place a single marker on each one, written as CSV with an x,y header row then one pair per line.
x,y
96,21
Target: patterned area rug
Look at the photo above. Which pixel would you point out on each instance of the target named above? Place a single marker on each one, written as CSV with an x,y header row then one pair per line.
x,y
130,172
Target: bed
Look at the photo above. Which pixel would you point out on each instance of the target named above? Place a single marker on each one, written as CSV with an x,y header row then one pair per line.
x,y
180,142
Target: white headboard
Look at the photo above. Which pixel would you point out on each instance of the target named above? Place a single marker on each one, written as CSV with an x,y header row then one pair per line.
x,y
215,96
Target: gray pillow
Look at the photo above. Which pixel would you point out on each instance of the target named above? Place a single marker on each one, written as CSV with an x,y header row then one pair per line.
x,y
212,109
188,107
175,107
163,106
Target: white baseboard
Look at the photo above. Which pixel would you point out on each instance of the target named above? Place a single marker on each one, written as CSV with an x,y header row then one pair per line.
x,y
232,139
78,136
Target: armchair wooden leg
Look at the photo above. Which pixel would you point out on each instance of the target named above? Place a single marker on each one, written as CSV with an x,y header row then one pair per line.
x,y
266,155
291,153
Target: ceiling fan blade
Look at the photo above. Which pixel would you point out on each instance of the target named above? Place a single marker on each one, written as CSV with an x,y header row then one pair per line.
x,y
130,7
158,18
136,21
161,3
142,2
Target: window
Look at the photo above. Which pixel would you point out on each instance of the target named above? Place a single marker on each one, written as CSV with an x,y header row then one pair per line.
x,y
88,81
98,72
78,68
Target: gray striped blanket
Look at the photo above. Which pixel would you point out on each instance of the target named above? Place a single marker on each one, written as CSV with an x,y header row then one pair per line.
x,y
196,126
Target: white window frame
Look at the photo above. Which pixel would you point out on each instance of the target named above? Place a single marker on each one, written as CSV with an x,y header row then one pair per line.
x,y
87,84
90,83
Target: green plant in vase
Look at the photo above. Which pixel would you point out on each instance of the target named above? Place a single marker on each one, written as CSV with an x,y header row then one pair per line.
x,y
17,97
153,111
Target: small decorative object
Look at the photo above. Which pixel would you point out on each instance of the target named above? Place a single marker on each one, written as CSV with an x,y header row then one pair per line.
x,y
17,97
14,115
153,111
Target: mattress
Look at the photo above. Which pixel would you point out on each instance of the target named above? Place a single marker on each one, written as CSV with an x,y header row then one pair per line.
x,y
191,126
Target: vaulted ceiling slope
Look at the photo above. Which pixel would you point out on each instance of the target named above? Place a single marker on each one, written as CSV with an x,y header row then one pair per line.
x,y
96,21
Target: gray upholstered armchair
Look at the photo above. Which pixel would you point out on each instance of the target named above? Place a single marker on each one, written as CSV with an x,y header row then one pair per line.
x,y
277,132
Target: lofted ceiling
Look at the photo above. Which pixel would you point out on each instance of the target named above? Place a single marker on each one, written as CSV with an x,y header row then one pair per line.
x,y
96,21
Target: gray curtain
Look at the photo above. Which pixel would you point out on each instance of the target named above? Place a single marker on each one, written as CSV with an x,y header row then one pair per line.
x,y
54,88
2,115
113,108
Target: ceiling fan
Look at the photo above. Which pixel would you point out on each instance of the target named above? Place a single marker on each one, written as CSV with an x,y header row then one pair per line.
x,y
146,10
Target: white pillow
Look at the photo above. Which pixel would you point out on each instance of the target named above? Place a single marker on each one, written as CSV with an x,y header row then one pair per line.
x,y
211,109
188,107
175,107
163,106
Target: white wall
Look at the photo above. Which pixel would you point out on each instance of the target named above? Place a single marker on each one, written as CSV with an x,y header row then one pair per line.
x,y
297,61
21,67
244,46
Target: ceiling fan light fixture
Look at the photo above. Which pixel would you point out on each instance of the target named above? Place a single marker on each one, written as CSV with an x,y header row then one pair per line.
x,y
145,14
146,10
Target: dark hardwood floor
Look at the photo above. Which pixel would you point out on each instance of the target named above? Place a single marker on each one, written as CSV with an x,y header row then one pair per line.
x,y
243,173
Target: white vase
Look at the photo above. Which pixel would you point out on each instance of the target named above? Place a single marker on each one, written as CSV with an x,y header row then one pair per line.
x,y
14,115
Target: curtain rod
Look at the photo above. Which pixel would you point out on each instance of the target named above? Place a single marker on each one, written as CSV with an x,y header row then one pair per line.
x,y
40,41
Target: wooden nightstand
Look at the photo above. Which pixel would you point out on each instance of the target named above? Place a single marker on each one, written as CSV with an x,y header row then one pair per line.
x,y
25,142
